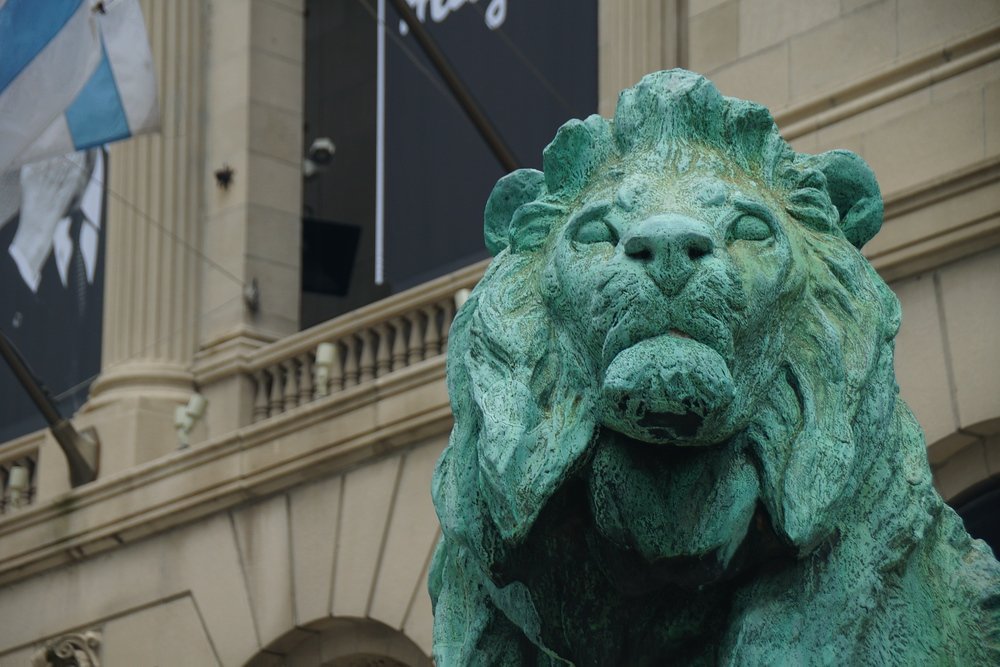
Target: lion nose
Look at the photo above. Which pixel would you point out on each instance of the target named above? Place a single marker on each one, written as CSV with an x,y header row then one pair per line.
x,y
670,247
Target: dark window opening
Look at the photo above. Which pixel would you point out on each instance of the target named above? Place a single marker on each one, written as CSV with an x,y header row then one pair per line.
x,y
979,507
531,66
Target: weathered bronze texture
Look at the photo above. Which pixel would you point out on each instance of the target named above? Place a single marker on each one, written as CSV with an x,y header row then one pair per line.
x,y
678,437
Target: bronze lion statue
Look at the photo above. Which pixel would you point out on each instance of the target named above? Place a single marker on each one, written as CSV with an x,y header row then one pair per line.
x,y
678,437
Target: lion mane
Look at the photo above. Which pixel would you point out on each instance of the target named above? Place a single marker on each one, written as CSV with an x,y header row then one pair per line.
x,y
846,553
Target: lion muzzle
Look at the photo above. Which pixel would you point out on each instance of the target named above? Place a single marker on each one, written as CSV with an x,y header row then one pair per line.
x,y
667,389
670,247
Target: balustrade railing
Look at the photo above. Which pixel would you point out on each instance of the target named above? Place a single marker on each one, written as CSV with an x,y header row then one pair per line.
x,y
358,347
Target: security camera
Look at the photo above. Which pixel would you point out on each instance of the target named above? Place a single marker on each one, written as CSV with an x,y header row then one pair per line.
x,y
318,157
321,151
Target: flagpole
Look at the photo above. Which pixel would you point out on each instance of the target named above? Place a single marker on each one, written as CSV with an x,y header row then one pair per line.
x,y
81,449
380,146
486,129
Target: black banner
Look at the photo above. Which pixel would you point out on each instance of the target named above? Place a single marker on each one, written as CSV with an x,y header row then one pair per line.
x,y
530,64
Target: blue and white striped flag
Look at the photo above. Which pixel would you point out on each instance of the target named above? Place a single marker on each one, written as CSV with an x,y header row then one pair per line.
x,y
73,74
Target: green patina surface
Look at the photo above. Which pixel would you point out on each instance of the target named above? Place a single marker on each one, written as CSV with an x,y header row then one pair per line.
x,y
678,437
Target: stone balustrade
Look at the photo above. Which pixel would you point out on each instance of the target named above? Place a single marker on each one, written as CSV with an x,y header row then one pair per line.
x,y
358,347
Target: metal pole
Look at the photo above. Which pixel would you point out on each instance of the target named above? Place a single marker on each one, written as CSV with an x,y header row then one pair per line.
x,y
81,449
458,89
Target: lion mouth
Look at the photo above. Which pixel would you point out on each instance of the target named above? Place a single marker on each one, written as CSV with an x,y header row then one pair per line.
x,y
666,389
667,424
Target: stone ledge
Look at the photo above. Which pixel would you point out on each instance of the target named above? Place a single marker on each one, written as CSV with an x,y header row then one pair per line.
x,y
938,221
949,185
315,440
218,357
889,83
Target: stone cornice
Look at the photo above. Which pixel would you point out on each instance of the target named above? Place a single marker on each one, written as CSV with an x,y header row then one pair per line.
x,y
317,439
949,185
890,83
225,356
923,230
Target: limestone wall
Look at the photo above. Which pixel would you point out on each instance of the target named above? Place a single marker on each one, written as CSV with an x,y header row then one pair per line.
x,y
260,580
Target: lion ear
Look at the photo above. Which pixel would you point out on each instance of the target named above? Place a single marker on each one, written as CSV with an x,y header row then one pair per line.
x,y
509,194
854,192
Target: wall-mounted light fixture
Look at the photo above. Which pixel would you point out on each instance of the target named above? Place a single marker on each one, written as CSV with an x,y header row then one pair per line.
x,y
324,362
18,486
185,417
461,296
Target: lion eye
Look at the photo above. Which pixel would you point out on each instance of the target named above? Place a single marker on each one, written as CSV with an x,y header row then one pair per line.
x,y
750,228
596,231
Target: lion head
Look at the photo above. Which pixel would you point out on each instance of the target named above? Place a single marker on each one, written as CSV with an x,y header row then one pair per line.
x,y
677,320
681,277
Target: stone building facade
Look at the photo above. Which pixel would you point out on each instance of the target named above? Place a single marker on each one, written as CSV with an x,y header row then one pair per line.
x,y
297,528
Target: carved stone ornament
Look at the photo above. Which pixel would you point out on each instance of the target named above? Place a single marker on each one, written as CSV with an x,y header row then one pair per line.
x,y
72,650
678,437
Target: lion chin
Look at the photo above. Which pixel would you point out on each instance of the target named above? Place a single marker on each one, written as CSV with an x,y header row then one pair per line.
x,y
684,512
665,481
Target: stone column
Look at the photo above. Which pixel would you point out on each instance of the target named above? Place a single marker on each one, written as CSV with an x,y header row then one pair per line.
x,y
634,38
252,226
152,263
